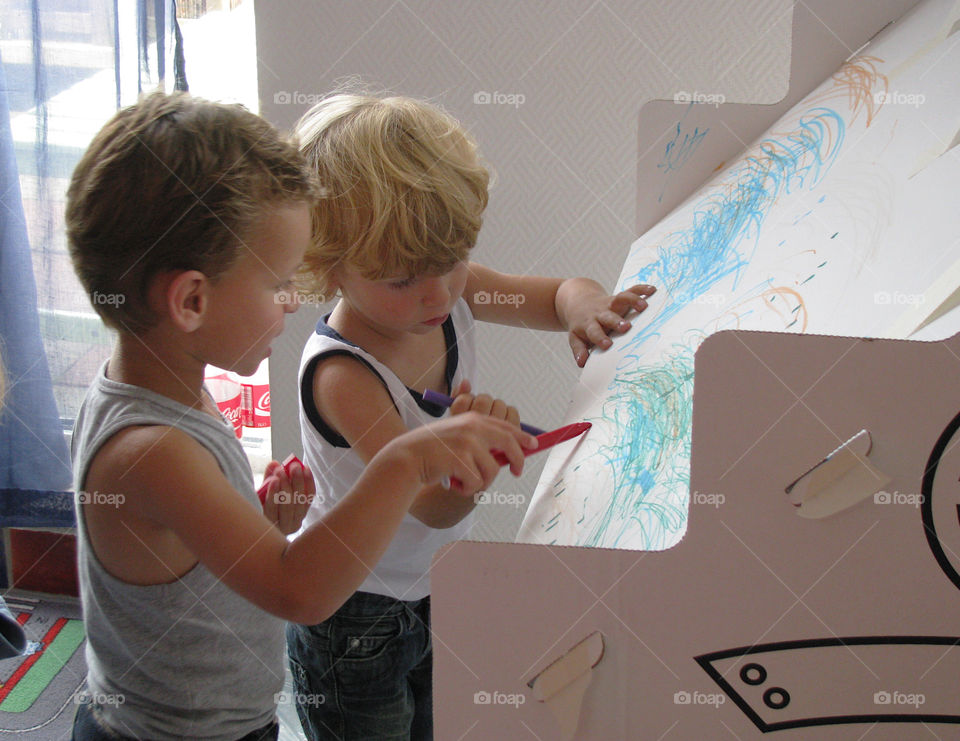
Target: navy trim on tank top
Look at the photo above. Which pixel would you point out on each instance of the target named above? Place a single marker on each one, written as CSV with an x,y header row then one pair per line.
x,y
306,384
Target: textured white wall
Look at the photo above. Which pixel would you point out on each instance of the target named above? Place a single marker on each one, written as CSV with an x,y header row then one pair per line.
x,y
565,198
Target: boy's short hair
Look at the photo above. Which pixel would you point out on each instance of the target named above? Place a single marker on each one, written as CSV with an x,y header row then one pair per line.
x,y
403,189
173,183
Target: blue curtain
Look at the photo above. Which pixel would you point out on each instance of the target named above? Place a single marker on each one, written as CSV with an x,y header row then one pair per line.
x,y
33,453
50,342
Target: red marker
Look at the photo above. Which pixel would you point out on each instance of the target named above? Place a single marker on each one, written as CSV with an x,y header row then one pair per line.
x,y
262,491
546,440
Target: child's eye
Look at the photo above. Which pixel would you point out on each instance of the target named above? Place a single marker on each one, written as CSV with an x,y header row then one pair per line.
x,y
405,283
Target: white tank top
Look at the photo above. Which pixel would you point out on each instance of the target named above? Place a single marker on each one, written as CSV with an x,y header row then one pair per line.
x,y
403,571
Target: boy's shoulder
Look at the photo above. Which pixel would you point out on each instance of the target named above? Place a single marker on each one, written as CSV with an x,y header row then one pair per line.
x,y
143,459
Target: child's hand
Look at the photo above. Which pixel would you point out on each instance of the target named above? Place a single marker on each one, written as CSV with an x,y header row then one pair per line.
x,y
460,446
288,497
589,314
485,404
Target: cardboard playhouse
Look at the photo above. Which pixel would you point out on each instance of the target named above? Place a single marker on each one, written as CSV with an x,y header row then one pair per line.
x,y
772,481
762,618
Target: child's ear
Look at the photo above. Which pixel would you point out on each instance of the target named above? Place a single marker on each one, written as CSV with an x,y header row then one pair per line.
x,y
187,296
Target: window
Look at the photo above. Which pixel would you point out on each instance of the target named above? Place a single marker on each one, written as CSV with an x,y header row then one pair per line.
x,y
69,65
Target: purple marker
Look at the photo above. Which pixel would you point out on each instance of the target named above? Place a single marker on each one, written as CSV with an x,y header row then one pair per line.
x,y
435,397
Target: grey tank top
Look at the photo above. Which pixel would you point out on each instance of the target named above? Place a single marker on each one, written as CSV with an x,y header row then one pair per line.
x,y
185,659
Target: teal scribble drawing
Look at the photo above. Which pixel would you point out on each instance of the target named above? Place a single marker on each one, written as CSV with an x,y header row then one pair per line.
x,y
650,405
651,410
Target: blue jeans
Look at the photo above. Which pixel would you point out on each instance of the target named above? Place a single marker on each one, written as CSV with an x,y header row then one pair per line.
x,y
364,674
87,727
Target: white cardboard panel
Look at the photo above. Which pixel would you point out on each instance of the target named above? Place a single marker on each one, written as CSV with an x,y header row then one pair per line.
x,y
758,621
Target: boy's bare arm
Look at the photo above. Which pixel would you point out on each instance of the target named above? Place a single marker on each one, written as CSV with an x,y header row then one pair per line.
x,y
355,403
515,300
172,482
579,305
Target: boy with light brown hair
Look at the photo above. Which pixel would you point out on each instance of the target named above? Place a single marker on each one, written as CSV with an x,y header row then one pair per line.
x,y
186,222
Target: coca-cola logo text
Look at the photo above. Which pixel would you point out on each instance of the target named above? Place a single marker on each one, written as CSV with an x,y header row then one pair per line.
x,y
263,403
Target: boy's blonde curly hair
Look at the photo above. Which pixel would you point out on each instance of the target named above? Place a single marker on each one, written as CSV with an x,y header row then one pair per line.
x,y
403,189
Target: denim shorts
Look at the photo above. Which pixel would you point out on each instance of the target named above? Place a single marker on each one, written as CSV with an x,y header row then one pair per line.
x,y
88,727
365,674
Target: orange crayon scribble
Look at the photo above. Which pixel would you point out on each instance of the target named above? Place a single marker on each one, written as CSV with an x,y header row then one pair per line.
x,y
861,83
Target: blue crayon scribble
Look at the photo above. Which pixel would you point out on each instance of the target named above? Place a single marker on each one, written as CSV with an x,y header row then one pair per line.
x,y
650,406
679,150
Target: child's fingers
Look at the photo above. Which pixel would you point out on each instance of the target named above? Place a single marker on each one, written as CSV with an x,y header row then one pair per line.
x,y
612,322
462,403
579,348
488,468
297,478
463,399
482,404
287,498
500,410
481,465
270,499
634,298
514,453
641,289
513,416
597,336
271,468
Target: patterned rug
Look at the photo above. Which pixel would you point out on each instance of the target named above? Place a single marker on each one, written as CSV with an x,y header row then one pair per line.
x,y
38,689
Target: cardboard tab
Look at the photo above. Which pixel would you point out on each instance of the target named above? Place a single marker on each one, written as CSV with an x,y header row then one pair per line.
x,y
839,481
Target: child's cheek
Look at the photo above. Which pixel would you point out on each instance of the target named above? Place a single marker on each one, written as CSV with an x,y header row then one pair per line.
x,y
400,303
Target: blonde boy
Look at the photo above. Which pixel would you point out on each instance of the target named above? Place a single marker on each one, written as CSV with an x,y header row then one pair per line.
x,y
186,221
403,195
